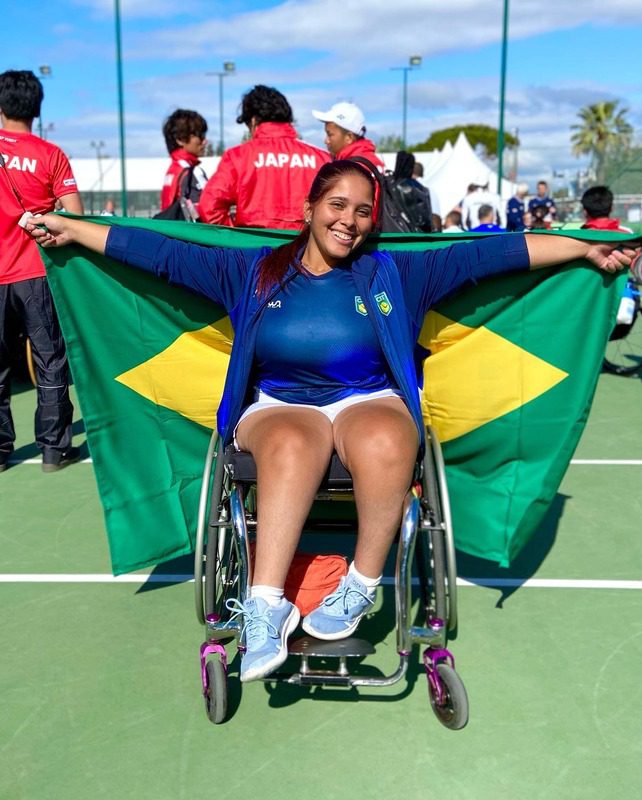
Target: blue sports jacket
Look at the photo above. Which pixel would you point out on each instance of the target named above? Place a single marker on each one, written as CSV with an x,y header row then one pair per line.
x,y
397,289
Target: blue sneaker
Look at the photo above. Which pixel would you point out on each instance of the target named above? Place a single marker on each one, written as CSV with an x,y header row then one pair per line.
x,y
339,614
265,634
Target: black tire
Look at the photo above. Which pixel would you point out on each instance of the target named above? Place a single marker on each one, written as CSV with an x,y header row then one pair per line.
x,y
623,354
221,572
216,695
431,556
452,712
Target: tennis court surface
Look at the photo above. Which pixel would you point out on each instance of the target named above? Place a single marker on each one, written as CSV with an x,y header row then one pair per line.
x,y
100,678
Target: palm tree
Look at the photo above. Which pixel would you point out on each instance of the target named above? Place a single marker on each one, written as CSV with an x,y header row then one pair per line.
x,y
602,132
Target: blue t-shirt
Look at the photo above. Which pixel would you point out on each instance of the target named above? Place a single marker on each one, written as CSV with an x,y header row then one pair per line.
x,y
488,227
515,214
315,343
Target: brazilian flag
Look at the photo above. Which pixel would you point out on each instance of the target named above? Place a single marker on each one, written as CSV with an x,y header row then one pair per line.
x,y
508,386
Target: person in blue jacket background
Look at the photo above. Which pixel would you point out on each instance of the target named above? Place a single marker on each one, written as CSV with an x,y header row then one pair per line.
x,y
325,357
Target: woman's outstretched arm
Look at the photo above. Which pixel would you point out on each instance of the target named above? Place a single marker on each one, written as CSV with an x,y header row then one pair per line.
x,y
547,251
60,229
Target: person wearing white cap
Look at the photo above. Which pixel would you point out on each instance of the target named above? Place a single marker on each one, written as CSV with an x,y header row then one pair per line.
x,y
345,133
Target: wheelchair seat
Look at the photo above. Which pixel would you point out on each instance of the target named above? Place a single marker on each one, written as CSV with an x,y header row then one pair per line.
x,y
241,468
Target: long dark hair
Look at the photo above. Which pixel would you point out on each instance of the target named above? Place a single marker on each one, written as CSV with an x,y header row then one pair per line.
x,y
275,264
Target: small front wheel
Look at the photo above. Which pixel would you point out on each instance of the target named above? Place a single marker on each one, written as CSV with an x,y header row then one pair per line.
x,y
452,708
216,695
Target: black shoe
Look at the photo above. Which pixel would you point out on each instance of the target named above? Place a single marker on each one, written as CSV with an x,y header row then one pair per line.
x,y
4,461
53,461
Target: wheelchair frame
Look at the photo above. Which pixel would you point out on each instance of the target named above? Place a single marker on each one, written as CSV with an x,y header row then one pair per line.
x,y
222,571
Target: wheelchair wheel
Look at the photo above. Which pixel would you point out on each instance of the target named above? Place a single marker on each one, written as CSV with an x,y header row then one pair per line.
x,y
623,354
221,572
436,561
452,711
216,695
430,545
214,485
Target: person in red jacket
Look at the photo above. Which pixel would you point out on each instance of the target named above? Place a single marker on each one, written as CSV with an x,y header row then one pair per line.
x,y
35,176
345,133
185,136
267,178
597,204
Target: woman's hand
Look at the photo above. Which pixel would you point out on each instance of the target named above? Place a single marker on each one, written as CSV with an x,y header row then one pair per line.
x,y
55,230
610,257
49,230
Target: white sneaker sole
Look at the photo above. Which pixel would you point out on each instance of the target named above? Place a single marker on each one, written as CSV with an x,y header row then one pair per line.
x,y
332,637
256,673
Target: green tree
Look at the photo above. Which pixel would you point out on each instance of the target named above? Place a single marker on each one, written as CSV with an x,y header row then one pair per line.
x,y
482,136
604,134
390,144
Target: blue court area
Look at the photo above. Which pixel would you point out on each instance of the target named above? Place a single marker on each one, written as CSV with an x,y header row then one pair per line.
x,y
101,686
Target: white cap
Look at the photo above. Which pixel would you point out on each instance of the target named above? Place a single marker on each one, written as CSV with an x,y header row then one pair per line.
x,y
345,115
482,179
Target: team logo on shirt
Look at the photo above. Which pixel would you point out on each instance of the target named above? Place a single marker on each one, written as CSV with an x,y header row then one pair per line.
x,y
385,306
360,306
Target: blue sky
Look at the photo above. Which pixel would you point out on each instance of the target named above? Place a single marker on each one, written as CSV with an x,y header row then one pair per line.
x,y
561,56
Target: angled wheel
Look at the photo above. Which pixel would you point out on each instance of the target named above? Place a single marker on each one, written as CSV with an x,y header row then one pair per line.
x,y
452,709
431,551
216,695
221,572
623,354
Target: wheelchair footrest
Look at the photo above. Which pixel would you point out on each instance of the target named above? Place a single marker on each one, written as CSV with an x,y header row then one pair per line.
x,y
342,648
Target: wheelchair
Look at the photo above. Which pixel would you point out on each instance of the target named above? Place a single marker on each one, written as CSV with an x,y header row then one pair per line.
x,y
623,354
222,572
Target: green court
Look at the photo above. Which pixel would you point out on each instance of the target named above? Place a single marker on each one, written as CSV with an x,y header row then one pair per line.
x,y
100,677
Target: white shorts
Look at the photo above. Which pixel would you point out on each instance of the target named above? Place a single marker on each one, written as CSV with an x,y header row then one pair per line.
x,y
331,410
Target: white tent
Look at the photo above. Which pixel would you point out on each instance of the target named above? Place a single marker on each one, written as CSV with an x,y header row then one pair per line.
x,y
449,182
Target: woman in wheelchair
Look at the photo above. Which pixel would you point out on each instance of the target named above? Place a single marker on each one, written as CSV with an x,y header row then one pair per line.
x,y
325,359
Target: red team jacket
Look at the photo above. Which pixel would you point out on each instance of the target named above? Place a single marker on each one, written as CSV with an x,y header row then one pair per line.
x,y
363,148
181,160
267,179
41,173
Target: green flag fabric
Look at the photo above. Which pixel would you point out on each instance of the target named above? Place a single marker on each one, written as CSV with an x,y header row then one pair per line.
x,y
508,388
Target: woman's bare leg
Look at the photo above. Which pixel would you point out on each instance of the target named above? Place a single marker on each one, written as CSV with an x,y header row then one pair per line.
x,y
377,440
292,449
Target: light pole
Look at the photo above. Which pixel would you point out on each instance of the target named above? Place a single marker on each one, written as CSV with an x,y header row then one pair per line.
x,y
121,110
502,96
414,62
98,147
229,68
45,72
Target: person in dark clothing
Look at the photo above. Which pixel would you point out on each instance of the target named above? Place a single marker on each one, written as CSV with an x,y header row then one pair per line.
x,y
414,197
34,175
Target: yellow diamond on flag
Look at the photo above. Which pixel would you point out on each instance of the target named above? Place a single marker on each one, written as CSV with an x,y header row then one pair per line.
x,y
475,376
188,376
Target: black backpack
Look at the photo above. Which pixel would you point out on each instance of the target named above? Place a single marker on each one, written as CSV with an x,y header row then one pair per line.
x,y
183,207
394,212
415,201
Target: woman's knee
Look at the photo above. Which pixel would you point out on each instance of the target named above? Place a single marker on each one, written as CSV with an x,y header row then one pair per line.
x,y
291,446
387,439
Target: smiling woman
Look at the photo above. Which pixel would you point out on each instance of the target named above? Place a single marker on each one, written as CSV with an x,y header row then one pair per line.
x,y
324,360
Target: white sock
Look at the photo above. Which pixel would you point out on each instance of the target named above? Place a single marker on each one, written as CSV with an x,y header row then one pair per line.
x,y
271,594
370,583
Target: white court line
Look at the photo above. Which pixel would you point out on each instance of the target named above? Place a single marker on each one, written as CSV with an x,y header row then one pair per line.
x,y
527,583
612,462
617,462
